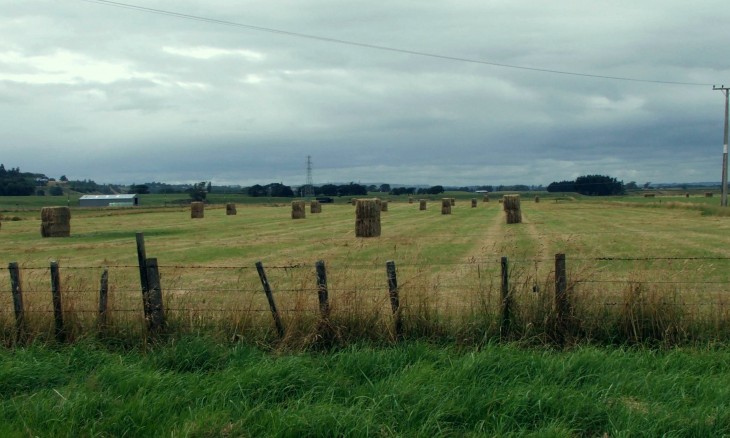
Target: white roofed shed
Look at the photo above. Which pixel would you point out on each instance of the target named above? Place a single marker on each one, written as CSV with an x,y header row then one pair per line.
x,y
130,200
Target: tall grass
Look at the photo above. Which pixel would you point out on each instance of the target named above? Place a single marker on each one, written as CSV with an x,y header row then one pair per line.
x,y
463,309
196,387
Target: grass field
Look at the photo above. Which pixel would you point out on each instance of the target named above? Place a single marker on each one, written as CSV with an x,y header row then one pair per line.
x,y
643,274
639,268
195,387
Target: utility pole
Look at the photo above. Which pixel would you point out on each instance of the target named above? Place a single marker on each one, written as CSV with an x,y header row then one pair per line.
x,y
723,199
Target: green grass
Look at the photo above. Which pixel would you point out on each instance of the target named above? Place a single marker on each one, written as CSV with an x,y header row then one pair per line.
x,y
194,387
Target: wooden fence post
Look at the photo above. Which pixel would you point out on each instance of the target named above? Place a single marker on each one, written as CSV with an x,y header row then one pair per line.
x,y
270,298
323,294
17,291
57,304
103,295
394,299
153,297
562,306
141,260
506,307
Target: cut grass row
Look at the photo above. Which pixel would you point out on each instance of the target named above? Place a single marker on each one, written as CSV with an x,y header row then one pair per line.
x,y
194,387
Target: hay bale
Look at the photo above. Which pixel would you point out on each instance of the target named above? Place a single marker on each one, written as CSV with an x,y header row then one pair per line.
x,y
511,206
353,201
230,209
55,222
422,204
197,210
384,206
708,194
537,199
410,200
648,195
446,205
686,195
315,207
485,198
367,218
513,216
298,210
453,201
473,202
511,202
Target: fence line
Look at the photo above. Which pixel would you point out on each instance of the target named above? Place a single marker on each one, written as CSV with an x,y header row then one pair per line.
x,y
303,265
561,314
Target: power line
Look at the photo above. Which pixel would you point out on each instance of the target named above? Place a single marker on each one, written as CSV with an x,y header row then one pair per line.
x,y
379,47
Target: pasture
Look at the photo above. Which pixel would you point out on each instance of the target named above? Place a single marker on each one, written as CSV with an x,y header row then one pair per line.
x,y
638,269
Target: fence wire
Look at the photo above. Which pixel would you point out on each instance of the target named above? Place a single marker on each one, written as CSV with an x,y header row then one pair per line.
x,y
645,290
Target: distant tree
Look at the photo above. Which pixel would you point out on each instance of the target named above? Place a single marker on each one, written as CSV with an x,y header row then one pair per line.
x,y
63,178
279,190
15,183
276,190
140,189
384,188
327,190
210,187
647,184
598,185
403,191
256,191
434,190
562,186
197,192
589,185
83,186
513,188
40,192
631,185
55,191
352,189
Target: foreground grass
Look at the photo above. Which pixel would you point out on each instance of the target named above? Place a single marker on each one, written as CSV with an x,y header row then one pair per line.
x,y
197,388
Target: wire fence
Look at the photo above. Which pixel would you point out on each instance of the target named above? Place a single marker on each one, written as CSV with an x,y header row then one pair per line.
x,y
629,297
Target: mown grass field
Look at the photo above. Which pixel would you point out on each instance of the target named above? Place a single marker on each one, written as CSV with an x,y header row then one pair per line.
x,y
636,270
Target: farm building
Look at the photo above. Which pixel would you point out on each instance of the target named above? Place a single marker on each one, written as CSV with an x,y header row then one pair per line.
x,y
109,200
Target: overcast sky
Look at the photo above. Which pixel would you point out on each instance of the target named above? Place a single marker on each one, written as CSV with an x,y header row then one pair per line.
x,y
121,95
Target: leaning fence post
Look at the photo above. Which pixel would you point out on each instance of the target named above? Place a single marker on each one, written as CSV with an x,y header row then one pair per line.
x,y
504,326
141,260
153,298
57,304
270,298
17,292
103,295
562,306
394,300
322,293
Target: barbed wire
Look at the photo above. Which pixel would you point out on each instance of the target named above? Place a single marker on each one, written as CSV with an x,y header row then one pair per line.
x,y
380,264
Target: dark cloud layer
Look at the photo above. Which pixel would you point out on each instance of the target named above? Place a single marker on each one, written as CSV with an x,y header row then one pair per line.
x,y
121,95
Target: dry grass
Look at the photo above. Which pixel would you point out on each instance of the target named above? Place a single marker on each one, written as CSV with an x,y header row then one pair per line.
x,y
448,275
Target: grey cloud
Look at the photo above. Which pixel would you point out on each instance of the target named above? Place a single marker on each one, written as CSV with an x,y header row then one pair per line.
x,y
83,85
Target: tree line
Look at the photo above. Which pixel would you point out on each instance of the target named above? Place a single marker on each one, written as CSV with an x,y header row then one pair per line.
x,y
590,185
13,182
